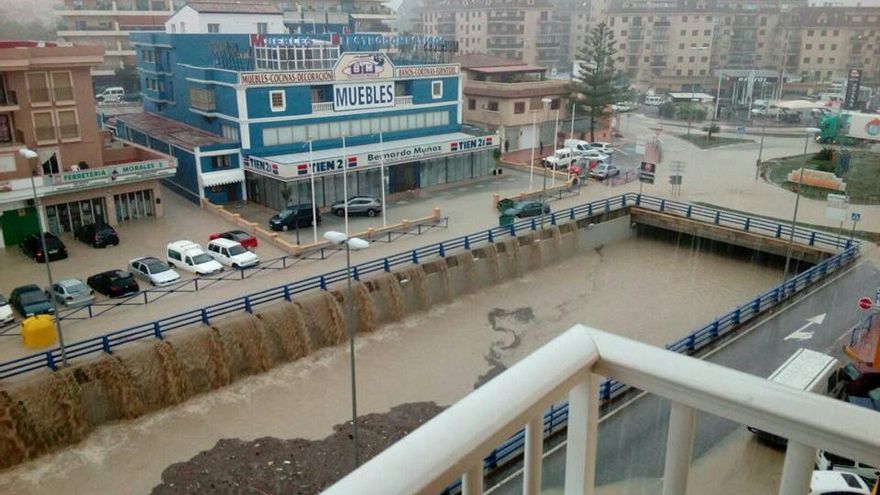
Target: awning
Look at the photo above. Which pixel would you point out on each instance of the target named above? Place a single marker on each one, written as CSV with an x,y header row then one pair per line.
x,y
223,177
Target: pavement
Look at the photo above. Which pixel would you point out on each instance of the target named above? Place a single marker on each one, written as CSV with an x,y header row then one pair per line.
x,y
632,440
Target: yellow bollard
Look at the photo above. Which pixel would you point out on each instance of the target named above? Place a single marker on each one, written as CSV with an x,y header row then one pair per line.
x,y
38,331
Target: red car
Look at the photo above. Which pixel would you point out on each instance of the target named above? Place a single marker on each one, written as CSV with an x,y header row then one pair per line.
x,y
239,236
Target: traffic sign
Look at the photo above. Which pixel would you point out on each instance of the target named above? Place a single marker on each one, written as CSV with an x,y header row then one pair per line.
x,y
856,216
865,303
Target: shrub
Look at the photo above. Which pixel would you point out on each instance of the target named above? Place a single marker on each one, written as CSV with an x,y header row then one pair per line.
x,y
667,110
824,155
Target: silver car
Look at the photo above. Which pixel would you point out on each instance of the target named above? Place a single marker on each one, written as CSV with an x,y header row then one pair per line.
x,y
358,205
71,293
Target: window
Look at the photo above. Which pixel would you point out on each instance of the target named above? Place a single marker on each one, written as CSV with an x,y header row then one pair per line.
x,y
213,28
277,101
62,86
201,99
436,89
229,132
810,32
182,27
707,32
519,107
222,161
555,103
821,46
44,126
492,106
68,124
819,60
262,27
806,60
38,87
808,46
834,46
472,104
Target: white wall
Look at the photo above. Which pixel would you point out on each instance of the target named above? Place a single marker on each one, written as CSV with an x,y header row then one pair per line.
x,y
196,22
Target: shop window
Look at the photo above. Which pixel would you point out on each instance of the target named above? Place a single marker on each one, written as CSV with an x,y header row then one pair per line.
x,y
68,124
277,101
44,126
519,107
492,106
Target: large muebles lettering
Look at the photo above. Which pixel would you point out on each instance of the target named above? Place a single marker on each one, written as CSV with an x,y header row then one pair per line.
x,y
358,96
267,78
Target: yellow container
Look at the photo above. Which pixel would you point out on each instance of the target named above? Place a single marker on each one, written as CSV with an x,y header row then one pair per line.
x,y
38,331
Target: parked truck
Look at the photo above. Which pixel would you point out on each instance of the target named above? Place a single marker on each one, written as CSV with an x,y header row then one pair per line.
x,y
849,128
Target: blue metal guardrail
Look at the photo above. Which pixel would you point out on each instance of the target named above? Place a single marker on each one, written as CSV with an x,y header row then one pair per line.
x,y
160,327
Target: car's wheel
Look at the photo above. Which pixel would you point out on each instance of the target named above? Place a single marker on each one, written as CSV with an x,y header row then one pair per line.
x,y
284,228
371,213
339,213
235,266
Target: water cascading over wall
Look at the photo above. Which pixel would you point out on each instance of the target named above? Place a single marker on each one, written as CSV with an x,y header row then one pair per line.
x,y
52,410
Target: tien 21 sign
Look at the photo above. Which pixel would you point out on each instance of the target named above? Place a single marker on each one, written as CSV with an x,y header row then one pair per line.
x,y
363,95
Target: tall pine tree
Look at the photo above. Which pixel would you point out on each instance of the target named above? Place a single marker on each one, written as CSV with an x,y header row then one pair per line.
x,y
596,86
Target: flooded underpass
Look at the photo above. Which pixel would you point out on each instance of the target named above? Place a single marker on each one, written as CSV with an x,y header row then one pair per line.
x,y
643,287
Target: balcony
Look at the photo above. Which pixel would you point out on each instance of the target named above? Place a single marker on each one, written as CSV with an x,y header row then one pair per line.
x,y
504,44
569,366
8,101
506,18
63,93
39,95
68,132
45,134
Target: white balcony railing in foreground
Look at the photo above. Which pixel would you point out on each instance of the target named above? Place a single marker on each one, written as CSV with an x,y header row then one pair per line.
x,y
453,444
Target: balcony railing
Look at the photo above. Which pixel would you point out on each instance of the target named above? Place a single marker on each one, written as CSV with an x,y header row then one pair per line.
x,y
63,94
46,133
457,440
39,95
69,131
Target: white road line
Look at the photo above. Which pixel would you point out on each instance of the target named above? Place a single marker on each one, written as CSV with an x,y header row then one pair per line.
x,y
708,354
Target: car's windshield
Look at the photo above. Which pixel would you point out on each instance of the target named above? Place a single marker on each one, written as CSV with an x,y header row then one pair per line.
x,y
238,236
75,288
236,250
32,297
201,258
285,213
157,266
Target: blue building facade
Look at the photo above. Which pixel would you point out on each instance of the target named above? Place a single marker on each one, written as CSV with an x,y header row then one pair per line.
x,y
266,116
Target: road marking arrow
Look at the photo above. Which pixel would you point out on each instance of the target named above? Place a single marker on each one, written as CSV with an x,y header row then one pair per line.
x,y
801,333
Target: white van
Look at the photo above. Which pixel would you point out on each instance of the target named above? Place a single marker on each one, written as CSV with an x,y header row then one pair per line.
x,y
578,146
231,253
826,461
111,94
809,371
655,101
189,256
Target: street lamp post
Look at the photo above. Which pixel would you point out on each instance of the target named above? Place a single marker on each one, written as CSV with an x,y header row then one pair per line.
x,y
29,154
808,132
546,104
532,160
351,244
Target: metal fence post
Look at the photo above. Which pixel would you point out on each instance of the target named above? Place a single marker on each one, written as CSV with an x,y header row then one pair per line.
x,y
490,236
467,243
50,361
534,225
812,239
690,210
247,304
638,200
157,329
748,222
691,342
196,282
717,217
662,205
441,251
571,214
105,344
607,206
205,316
778,230
287,293
553,218
322,282
513,229
415,257
386,265
354,273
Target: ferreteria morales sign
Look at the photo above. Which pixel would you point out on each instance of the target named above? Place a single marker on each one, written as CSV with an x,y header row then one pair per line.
x,y
271,78
113,173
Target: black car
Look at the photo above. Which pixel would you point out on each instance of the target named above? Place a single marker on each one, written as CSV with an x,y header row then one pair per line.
x,y
114,283
523,209
97,235
30,300
32,247
294,216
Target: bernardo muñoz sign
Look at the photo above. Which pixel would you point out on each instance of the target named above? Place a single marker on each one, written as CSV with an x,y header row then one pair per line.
x,y
363,95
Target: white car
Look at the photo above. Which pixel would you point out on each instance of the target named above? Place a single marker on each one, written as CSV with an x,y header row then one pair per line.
x,y
189,256
561,159
594,155
153,270
837,483
231,253
621,107
827,461
6,315
602,147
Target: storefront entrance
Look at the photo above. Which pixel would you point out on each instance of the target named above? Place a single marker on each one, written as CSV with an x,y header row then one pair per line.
x,y
68,217
404,177
137,204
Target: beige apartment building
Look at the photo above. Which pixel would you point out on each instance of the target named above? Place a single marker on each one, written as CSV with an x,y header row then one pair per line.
x,y
828,41
524,30
506,96
47,105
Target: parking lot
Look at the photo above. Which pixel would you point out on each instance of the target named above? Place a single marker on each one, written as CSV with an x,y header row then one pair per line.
x,y
468,207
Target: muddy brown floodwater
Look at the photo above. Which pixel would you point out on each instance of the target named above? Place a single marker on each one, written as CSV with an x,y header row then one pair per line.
x,y
641,287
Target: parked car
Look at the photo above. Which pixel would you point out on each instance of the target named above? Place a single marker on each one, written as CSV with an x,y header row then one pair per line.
x,y
602,147
294,216
577,146
837,483
247,240
603,171
29,300
231,253
97,235
826,461
594,155
32,247
621,107
358,205
523,209
861,378
114,283
111,94
71,293
153,270
189,256
561,159
6,315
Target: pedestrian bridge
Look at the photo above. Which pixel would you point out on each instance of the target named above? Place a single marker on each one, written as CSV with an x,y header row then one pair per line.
x,y
772,242
451,447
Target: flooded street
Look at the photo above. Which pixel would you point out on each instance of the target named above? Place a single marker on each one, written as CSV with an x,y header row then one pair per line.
x,y
641,287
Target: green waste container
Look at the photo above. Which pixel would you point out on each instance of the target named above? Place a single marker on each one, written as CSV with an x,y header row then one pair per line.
x,y
505,220
505,204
